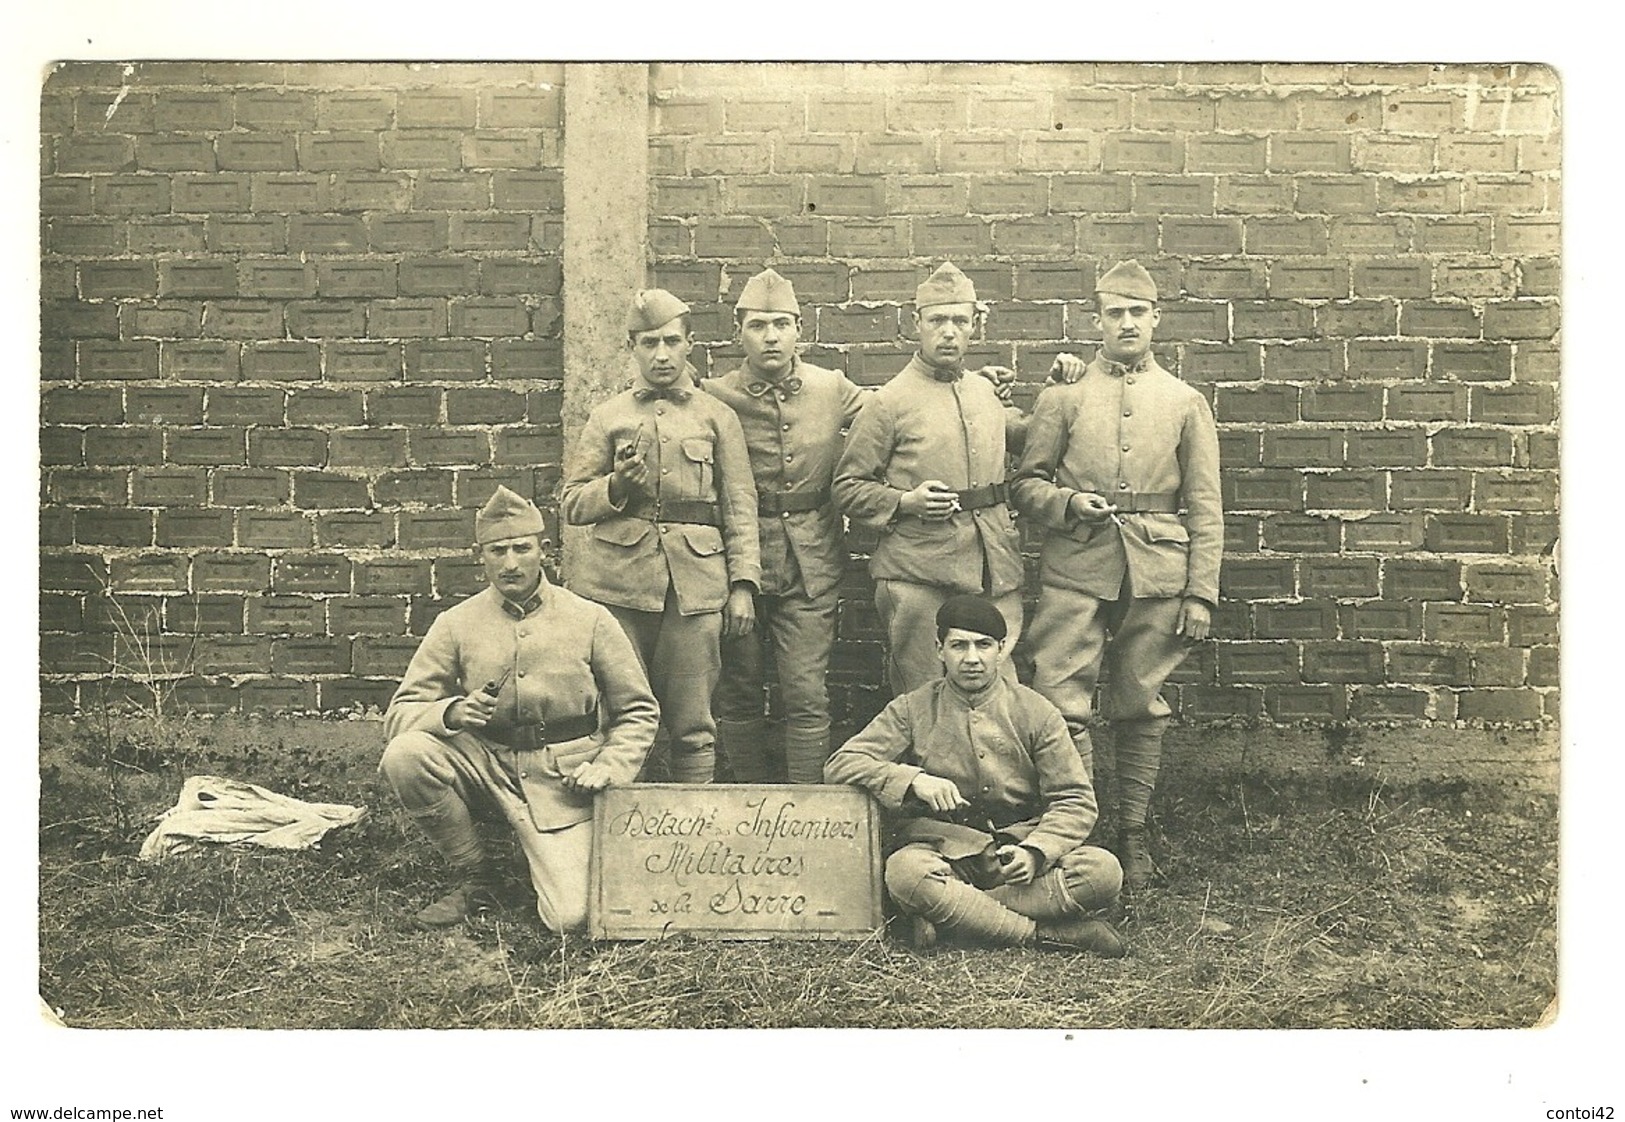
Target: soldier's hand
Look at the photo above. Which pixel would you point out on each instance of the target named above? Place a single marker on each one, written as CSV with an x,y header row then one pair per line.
x,y
739,613
590,776
1066,369
1195,618
472,712
937,793
1086,506
1017,864
1003,379
631,469
932,499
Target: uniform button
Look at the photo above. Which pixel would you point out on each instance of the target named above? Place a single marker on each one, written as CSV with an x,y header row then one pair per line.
x,y
523,633
786,428
524,775
1122,486
520,674
784,514
1128,412
1131,380
788,485
663,529
788,457
660,411
665,440
1125,447
665,471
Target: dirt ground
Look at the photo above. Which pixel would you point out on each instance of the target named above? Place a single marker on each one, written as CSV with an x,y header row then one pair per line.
x,y
1301,899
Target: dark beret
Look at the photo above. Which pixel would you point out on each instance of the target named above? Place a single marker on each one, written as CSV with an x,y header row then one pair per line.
x,y
970,613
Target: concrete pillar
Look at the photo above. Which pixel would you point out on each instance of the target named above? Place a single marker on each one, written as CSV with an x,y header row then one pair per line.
x,y
606,232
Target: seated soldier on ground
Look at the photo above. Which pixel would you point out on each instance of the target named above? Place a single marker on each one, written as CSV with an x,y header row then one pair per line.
x,y
525,698
990,801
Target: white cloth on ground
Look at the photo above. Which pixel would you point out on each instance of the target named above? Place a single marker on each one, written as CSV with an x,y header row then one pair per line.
x,y
212,809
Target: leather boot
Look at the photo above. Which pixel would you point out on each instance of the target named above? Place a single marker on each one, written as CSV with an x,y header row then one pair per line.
x,y
1082,933
805,751
476,893
742,751
1138,868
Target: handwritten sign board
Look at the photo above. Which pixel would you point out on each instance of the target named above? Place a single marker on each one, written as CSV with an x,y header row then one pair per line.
x,y
748,861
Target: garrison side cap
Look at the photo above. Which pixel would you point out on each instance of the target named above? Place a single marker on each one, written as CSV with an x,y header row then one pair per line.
x,y
1128,278
945,286
505,515
651,308
767,291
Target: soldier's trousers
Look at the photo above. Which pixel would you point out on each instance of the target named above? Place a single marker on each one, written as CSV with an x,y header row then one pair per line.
x,y
908,612
682,657
923,882
1074,634
440,780
796,632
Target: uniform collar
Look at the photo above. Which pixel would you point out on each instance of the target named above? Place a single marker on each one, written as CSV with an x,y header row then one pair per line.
x,y
756,387
678,391
643,391
1120,369
981,700
936,373
519,609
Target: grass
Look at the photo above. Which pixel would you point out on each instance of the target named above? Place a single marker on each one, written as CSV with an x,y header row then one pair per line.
x,y
1366,908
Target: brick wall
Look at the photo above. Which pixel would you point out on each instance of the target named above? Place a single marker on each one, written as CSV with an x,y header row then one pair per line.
x,y
1360,270
297,320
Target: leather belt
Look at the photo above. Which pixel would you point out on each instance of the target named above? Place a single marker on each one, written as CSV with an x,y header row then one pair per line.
x,y
676,510
1143,502
790,502
525,738
975,498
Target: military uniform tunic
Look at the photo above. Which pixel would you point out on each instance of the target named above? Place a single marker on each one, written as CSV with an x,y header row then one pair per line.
x,y
1009,754
793,432
918,427
565,660
666,579
1147,441
695,452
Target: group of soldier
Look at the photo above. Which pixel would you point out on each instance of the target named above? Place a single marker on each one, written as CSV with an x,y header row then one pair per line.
x,y
713,511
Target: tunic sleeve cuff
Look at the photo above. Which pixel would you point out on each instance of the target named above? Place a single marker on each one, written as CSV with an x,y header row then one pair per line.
x,y
895,789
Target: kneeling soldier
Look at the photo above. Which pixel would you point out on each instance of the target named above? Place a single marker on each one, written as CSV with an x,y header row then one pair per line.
x,y
525,699
993,799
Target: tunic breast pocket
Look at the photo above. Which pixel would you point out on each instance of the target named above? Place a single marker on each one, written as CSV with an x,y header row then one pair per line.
x,y
701,456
